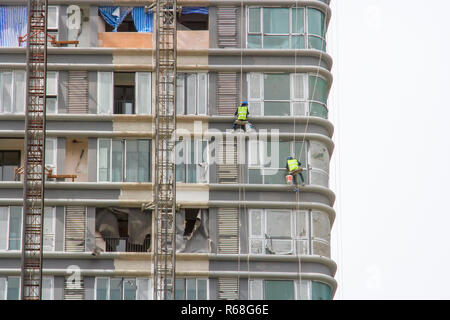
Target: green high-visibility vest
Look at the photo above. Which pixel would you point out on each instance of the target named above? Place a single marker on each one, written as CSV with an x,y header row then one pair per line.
x,y
292,165
242,113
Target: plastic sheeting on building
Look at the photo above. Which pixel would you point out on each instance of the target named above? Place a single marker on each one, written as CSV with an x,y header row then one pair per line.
x,y
143,21
139,223
198,240
114,16
13,24
198,10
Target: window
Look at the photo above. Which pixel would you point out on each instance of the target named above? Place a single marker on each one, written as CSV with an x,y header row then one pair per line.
x,y
191,158
193,18
9,160
50,153
267,160
299,94
283,290
48,288
53,17
52,92
122,289
11,228
124,93
278,232
10,288
192,93
191,289
289,232
124,160
12,88
286,28
320,291
105,95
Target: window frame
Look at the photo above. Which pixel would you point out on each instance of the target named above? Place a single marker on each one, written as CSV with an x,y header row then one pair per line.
x,y
8,230
196,287
294,239
306,34
52,95
2,155
54,163
54,28
183,76
110,108
122,287
14,84
282,166
124,160
53,227
262,283
307,100
187,149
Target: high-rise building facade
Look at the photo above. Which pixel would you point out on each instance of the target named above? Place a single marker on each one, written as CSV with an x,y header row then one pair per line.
x,y
242,231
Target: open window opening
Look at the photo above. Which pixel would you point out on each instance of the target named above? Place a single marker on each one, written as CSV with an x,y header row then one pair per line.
x,y
127,25
193,19
124,92
122,230
192,231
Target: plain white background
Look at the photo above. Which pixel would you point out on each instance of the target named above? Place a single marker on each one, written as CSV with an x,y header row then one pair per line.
x,y
390,168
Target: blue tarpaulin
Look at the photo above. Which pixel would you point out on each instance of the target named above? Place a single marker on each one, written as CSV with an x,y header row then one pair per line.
x,y
114,16
199,10
13,23
143,21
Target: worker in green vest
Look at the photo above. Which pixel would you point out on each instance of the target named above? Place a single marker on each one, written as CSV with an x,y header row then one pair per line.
x,y
294,169
241,116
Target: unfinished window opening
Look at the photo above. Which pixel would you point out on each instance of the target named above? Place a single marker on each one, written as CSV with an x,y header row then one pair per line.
x,y
192,231
124,89
192,21
9,160
127,25
122,230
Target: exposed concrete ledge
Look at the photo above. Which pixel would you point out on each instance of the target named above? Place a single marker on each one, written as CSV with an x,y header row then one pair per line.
x,y
273,187
206,274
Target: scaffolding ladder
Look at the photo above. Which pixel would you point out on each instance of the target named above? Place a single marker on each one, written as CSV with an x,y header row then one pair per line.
x,y
34,163
165,192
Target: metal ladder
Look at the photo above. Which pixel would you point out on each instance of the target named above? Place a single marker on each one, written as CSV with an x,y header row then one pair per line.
x,y
34,166
165,193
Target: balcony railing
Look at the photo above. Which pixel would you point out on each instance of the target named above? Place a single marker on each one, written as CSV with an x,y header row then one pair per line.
x,y
122,244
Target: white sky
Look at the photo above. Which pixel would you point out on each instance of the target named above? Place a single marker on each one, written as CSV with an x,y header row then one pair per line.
x,y
389,104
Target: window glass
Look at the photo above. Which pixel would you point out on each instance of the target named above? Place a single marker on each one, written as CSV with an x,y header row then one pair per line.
x,y
301,224
298,83
298,42
47,288
105,92
318,110
202,93
316,43
49,229
276,20
144,161
143,289
117,160
202,289
301,152
180,161
316,24
254,41
276,108
320,291
180,289
52,83
191,289
318,89
103,160
2,289
276,42
276,86
15,228
19,89
284,152
278,223
298,20
50,153
191,81
254,176
52,22
115,290
180,93
3,228
13,288
256,223
102,288
256,290
8,161
279,290
144,92
129,289
51,105
6,91
254,24
132,160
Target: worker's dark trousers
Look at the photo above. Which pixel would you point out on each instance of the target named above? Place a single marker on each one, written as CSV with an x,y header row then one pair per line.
x,y
294,176
242,126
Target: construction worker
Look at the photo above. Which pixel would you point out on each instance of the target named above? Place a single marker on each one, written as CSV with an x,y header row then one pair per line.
x,y
294,169
241,113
